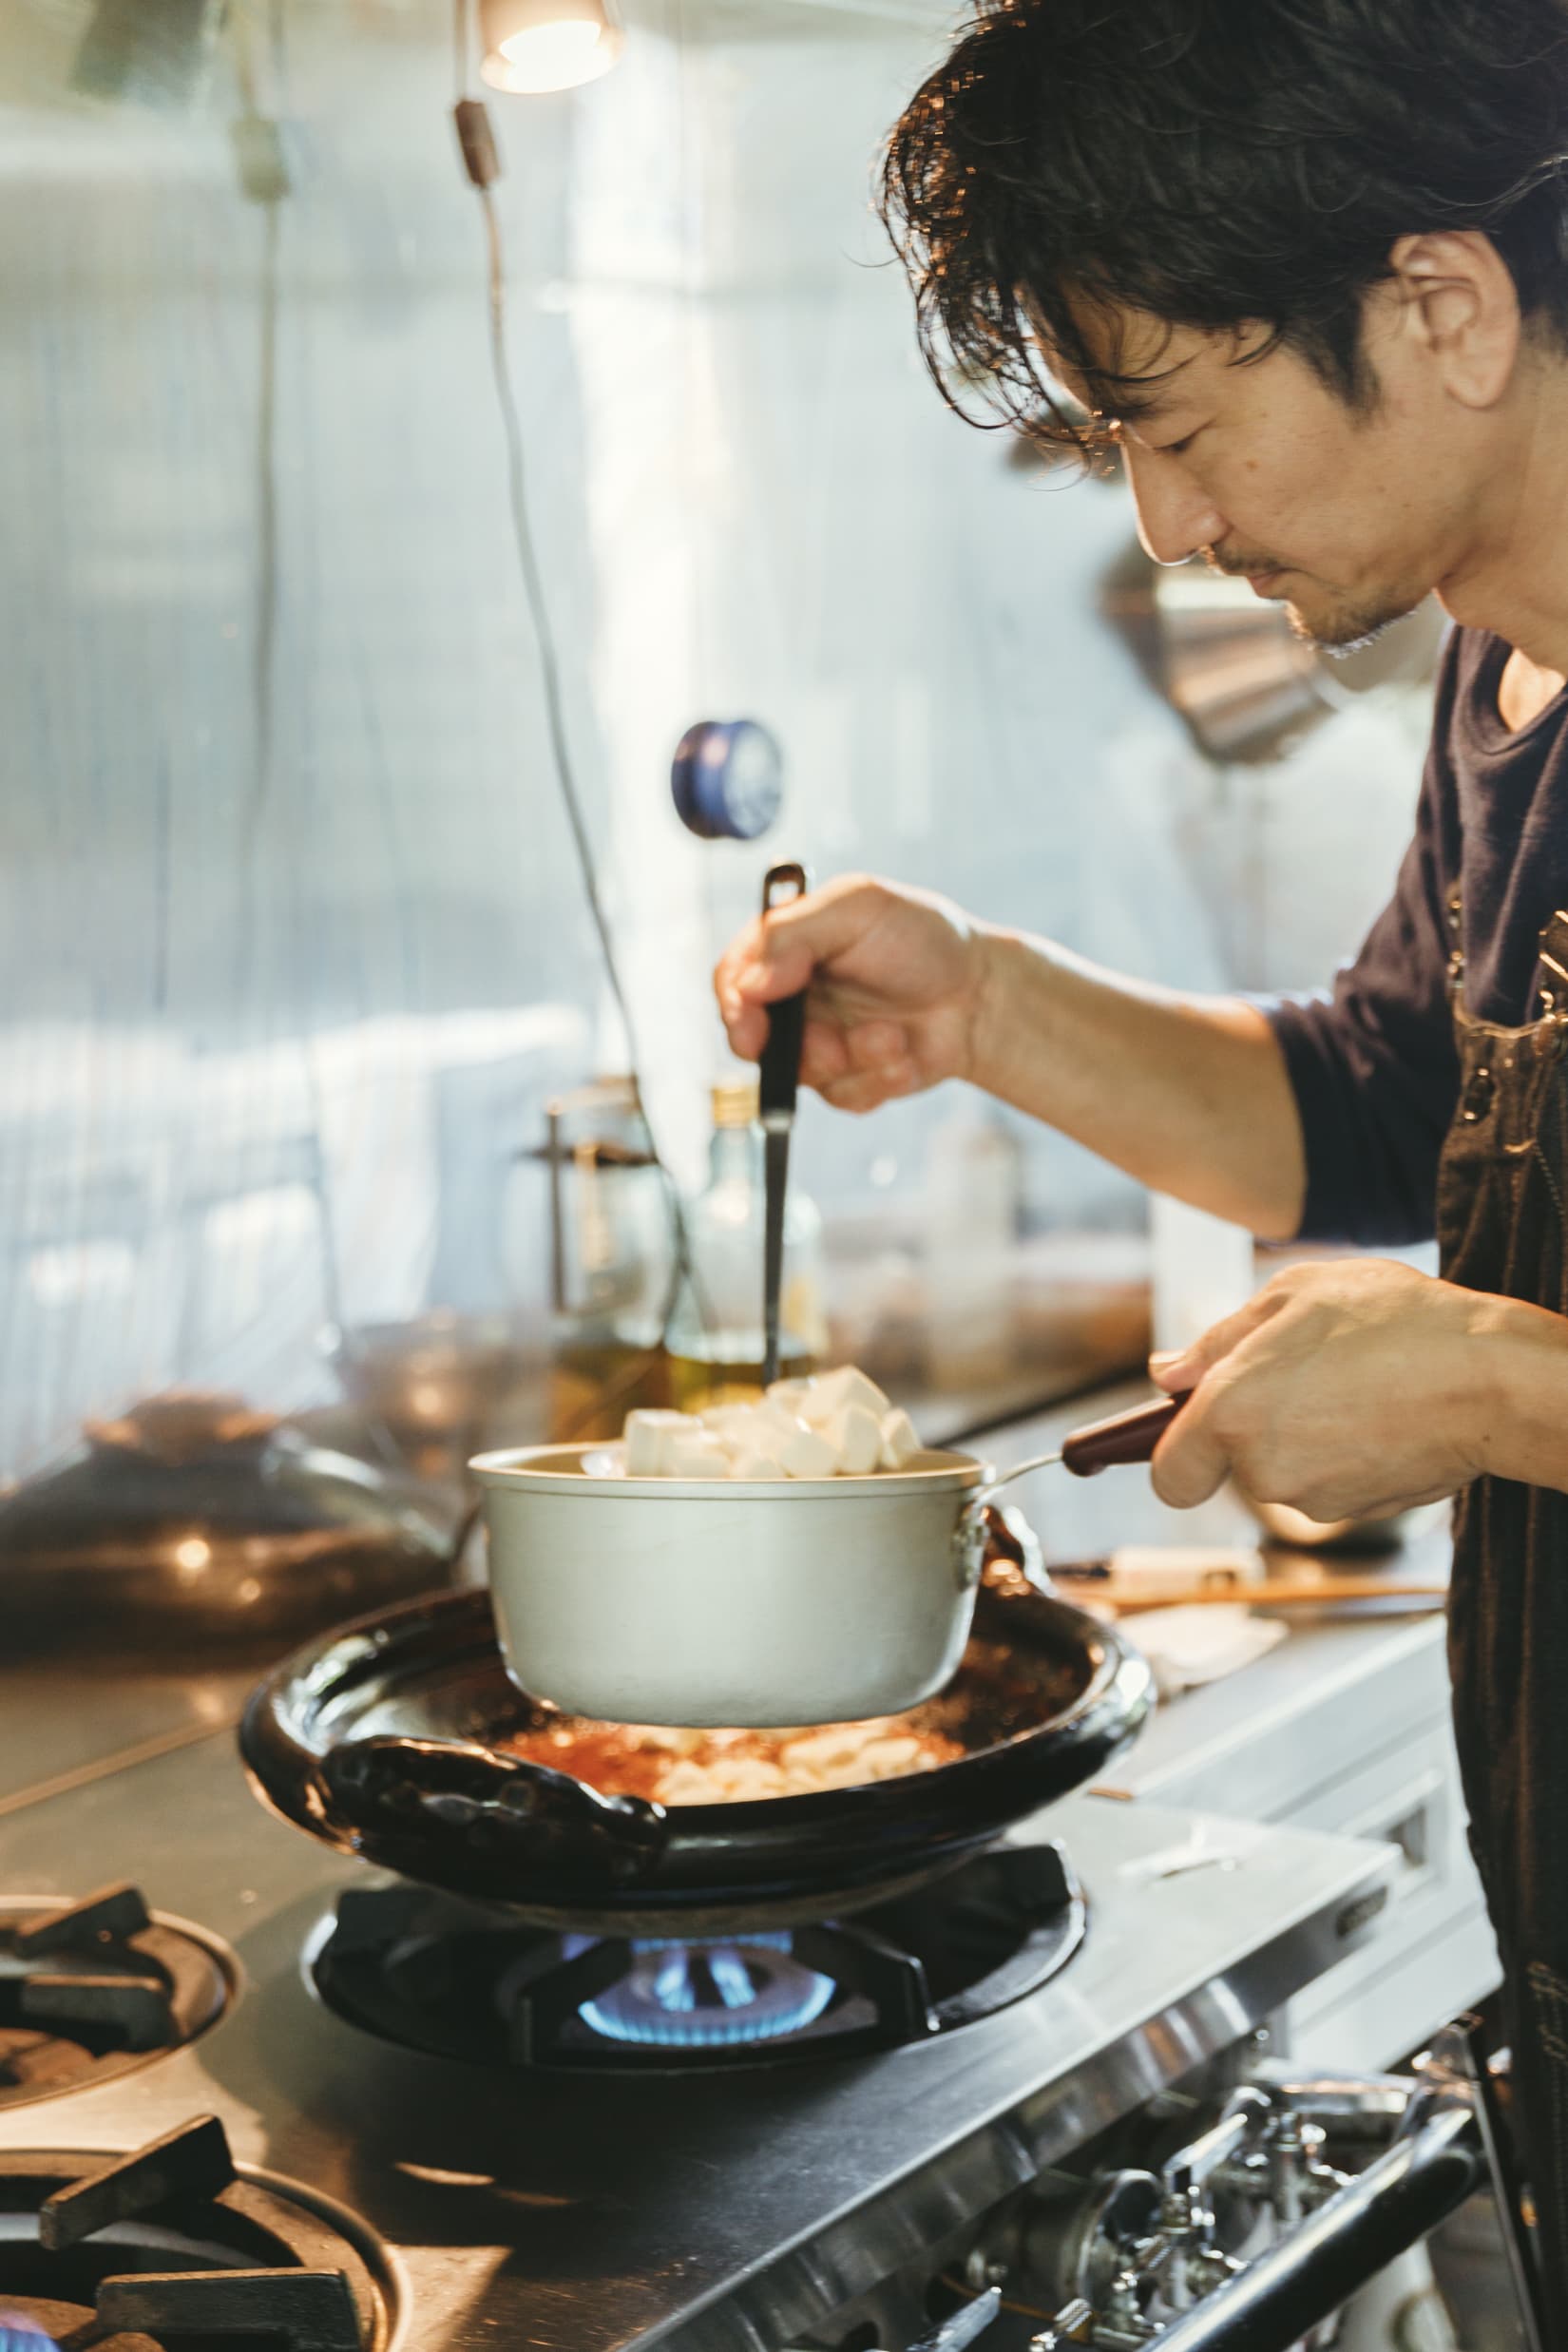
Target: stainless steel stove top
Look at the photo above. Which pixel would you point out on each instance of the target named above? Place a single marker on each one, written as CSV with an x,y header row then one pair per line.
x,y
716,2213
66,1715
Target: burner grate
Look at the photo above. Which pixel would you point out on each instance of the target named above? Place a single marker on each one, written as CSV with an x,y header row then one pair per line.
x,y
167,2247
433,1973
90,1989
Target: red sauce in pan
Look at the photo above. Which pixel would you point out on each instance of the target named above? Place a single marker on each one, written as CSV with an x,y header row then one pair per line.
x,y
996,1697
720,1768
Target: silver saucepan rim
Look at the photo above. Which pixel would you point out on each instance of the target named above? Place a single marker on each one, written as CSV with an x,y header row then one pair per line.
x,y
559,1470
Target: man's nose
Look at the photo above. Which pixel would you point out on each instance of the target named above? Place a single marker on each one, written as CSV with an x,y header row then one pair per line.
x,y
1174,519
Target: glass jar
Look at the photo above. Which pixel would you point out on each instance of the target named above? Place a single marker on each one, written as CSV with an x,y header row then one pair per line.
x,y
715,1336
612,1257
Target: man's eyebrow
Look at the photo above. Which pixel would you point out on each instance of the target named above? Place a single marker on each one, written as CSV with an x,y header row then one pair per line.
x,y
1119,410
1110,398
1138,397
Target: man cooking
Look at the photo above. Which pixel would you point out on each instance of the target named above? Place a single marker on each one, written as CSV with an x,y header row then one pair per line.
x,y
1303,266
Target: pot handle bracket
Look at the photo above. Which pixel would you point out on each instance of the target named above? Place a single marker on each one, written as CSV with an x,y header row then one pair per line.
x,y
999,1546
1126,1437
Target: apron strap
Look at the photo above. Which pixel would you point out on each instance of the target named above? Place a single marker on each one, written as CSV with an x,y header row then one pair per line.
x,y
1553,953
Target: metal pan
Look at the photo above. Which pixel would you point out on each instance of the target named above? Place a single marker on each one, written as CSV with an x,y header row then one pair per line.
x,y
722,1601
387,1740
728,1602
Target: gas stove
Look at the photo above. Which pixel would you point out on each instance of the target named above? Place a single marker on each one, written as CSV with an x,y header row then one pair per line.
x,y
465,1981
492,2133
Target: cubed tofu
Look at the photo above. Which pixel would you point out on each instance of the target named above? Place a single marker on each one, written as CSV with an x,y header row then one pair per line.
x,y
697,1456
899,1442
649,1436
756,1461
805,1454
770,1418
833,1391
856,1437
733,1420
789,1394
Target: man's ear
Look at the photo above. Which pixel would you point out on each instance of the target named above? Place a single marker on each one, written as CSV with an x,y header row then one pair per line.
x,y
1458,305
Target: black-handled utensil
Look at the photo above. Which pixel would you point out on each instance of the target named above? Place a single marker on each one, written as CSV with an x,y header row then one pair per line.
x,y
778,1084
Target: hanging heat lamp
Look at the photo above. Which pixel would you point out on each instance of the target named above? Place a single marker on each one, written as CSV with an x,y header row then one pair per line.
x,y
533,45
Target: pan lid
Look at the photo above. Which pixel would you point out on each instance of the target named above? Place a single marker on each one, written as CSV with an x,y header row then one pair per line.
x,y
192,1489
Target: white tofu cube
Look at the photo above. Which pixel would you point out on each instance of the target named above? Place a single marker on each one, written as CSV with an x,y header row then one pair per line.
x,y
834,1390
789,1394
856,1437
648,1437
730,1420
756,1461
805,1454
697,1456
772,1412
754,1428
899,1442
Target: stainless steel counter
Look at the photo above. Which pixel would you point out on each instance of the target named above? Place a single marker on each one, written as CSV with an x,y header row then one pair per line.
x,y
68,1714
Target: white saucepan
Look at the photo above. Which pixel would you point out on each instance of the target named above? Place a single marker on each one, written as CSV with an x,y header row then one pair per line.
x,y
714,1601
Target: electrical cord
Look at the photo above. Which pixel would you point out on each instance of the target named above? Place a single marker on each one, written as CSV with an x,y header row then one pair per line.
x,y
533,586
460,50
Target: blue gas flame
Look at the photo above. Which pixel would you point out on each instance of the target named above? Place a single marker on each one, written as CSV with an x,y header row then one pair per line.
x,y
21,2336
697,1993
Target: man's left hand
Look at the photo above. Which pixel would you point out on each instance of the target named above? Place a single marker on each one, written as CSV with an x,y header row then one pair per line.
x,y
1350,1388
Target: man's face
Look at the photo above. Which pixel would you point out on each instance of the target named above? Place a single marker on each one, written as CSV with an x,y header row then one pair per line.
x,y
1348,515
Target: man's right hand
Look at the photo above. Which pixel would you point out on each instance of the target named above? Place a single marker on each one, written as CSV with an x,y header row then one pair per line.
x,y
1188,1093
897,980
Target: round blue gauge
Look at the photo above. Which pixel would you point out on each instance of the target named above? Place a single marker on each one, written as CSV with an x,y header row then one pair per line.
x,y
727,778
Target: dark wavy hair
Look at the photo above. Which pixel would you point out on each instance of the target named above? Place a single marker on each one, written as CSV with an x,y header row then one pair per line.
x,y
1215,162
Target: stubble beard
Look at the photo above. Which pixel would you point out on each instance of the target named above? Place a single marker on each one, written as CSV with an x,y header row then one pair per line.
x,y
1340,627
1347,628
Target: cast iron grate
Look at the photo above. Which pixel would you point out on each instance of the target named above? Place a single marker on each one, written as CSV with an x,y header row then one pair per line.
x,y
90,1989
167,2249
433,1973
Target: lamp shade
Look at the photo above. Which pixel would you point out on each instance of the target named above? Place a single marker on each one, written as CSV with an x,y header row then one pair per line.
x,y
533,46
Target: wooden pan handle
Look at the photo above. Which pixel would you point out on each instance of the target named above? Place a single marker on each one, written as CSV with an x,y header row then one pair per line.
x,y
1126,1437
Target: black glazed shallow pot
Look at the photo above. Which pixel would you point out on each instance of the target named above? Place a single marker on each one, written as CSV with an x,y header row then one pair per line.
x,y
386,1739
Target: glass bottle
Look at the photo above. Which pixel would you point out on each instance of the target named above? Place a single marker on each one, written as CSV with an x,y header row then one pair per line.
x,y
715,1337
